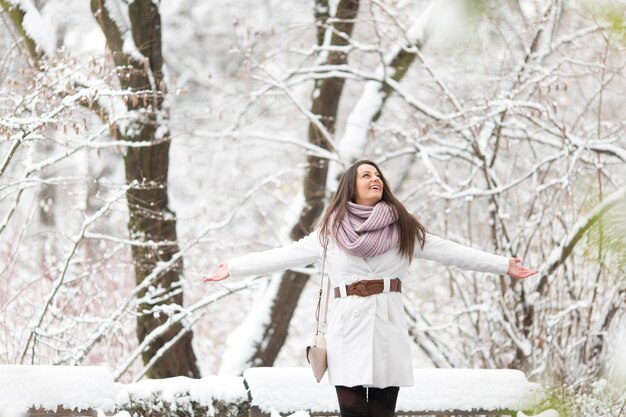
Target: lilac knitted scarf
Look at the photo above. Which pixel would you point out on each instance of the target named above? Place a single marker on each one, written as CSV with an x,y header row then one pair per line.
x,y
368,231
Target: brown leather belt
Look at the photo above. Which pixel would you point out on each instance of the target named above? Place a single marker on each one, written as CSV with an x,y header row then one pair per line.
x,y
365,288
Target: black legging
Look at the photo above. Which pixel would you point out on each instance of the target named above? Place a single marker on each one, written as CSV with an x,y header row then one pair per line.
x,y
360,401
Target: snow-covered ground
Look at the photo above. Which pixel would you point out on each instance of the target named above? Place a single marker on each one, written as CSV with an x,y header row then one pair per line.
x,y
283,390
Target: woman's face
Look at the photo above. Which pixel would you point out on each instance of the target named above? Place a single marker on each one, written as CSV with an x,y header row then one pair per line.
x,y
368,189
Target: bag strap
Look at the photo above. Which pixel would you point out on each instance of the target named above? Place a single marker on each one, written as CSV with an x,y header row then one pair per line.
x,y
327,289
319,300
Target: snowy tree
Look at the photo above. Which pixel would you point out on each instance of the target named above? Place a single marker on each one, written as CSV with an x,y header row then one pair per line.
x,y
334,26
482,138
499,124
133,35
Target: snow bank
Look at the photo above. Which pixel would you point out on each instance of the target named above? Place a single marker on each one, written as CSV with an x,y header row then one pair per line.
x,y
468,389
272,390
72,387
85,387
286,390
203,391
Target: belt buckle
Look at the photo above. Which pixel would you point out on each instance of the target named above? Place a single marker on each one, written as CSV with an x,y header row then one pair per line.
x,y
360,288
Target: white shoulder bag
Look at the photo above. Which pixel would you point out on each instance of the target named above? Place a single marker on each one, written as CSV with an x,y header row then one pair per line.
x,y
316,351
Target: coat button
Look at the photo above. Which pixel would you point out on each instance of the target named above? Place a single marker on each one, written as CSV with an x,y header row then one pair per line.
x,y
371,312
355,313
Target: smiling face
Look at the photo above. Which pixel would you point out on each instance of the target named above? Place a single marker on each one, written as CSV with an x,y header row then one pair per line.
x,y
368,188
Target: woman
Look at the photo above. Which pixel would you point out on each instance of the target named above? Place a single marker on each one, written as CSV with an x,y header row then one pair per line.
x,y
370,239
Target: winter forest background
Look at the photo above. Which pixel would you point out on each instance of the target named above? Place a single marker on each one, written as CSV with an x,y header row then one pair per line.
x,y
143,142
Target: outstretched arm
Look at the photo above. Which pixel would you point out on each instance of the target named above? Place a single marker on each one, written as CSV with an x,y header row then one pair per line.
x,y
300,253
450,253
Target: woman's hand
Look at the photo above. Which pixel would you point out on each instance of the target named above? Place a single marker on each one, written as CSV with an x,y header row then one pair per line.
x,y
517,270
221,274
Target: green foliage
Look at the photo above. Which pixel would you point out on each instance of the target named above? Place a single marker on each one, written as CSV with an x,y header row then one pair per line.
x,y
608,12
617,19
560,398
609,234
480,7
601,398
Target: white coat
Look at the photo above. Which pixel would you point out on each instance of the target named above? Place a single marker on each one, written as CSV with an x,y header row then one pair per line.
x,y
368,340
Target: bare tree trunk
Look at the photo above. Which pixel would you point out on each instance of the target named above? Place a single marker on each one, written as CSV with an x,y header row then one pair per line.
x,y
327,93
151,219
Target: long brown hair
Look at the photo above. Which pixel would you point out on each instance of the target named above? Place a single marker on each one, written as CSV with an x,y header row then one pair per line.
x,y
409,228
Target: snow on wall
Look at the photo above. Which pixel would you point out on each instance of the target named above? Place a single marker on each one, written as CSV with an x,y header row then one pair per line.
x,y
85,387
73,387
468,389
282,390
204,390
289,389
